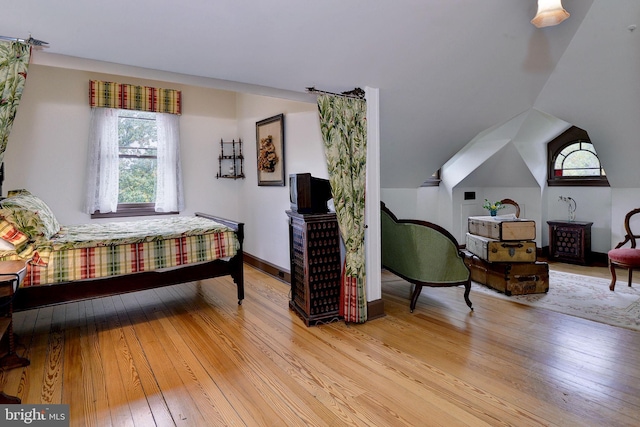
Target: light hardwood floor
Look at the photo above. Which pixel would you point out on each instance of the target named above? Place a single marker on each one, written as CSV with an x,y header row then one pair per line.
x,y
189,355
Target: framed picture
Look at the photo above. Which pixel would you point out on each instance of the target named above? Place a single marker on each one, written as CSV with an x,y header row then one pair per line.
x,y
270,149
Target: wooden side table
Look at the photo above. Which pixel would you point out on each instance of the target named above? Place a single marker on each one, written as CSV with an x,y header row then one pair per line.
x,y
11,274
570,241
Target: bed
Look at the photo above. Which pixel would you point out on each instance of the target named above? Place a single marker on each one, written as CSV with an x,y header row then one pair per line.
x,y
70,263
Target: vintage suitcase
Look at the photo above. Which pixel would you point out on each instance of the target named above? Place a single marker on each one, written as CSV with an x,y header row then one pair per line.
x,y
500,228
493,250
509,278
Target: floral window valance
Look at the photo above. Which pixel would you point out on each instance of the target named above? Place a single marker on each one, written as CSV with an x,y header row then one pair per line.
x,y
130,97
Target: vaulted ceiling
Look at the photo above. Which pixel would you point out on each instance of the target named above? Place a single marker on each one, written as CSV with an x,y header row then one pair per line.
x,y
446,69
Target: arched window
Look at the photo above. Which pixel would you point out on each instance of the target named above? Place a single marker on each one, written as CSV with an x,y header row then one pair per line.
x,y
573,161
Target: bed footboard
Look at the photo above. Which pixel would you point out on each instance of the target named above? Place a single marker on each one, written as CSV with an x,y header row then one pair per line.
x,y
237,262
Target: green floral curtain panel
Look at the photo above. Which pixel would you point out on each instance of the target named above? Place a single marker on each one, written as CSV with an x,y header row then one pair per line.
x,y
344,130
14,61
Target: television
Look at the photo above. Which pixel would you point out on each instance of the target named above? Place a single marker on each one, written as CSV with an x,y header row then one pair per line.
x,y
308,194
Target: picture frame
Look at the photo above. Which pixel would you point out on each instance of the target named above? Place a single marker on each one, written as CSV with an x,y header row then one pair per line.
x,y
270,151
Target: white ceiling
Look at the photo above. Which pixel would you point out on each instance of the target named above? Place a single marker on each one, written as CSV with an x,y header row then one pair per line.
x,y
446,69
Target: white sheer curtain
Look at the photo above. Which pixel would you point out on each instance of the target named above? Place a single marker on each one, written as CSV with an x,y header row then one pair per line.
x,y
169,194
102,162
103,170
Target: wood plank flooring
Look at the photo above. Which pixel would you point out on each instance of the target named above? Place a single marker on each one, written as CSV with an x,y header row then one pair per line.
x,y
188,355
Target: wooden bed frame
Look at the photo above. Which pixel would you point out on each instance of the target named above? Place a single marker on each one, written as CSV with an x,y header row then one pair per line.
x,y
58,293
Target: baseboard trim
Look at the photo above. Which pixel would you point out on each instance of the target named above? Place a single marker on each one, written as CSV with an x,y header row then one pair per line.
x,y
597,259
375,309
268,268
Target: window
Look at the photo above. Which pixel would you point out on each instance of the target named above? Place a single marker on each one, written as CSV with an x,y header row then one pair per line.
x,y
573,161
138,159
134,164
577,159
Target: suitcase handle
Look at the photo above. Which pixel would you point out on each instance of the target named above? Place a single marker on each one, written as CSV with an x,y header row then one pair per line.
x,y
512,248
533,278
512,245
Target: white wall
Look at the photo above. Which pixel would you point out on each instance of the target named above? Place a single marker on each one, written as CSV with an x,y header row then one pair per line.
x,y
593,204
263,208
527,198
603,206
402,202
434,204
48,145
623,200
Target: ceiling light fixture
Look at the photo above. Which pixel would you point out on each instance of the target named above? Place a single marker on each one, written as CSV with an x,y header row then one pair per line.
x,y
550,12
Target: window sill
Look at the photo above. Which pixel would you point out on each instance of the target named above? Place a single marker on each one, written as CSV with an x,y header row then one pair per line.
x,y
132,209
578,182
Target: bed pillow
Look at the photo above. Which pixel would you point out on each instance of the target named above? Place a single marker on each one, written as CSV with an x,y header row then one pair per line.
x,y
30,215
6,246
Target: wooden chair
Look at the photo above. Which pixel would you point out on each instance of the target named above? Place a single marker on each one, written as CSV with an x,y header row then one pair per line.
x,y
512,203
628,258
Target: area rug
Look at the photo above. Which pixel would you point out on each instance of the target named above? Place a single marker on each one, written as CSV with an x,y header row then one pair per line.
x,y
582,296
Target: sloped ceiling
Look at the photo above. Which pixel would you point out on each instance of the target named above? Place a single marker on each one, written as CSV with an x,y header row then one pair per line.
x,y
511,154
505,168
446,70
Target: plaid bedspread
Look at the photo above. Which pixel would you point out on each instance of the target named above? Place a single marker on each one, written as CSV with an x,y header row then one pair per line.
x,y
91,251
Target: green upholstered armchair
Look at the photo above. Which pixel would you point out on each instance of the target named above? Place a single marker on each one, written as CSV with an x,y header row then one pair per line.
x,y
423,254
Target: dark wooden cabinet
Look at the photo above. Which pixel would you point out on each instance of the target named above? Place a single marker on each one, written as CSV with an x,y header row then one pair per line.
x,y
570,241
314,247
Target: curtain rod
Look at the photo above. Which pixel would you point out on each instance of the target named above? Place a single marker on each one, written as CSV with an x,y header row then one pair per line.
x,y
356,93
30,40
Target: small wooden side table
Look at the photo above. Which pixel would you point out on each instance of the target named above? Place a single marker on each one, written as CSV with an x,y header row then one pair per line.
x,y
11,274
570,241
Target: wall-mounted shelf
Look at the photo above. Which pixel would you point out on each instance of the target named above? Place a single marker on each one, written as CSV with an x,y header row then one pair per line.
x,y
230,160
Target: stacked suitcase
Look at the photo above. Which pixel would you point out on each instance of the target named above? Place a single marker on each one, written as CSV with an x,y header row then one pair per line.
x,y
501,253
